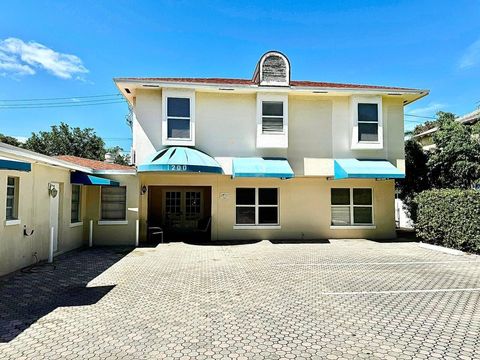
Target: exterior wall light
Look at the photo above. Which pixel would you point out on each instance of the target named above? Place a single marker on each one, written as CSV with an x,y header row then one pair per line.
x,y
52,191
144,190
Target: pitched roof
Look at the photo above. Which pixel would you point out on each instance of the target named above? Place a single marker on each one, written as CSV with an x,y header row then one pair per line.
x,y
93,164
228,81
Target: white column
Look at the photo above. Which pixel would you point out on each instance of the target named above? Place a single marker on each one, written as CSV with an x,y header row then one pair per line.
x,y
50,250
137,232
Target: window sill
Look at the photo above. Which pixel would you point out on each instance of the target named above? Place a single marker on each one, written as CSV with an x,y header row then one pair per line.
x,y
174,142
353,227
257,227
13,222
75,224
367,146
112,222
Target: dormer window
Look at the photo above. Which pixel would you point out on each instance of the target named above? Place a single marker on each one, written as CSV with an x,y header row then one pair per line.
x,y
178,117
273,69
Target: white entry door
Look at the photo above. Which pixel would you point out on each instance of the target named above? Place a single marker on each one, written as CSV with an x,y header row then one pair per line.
x,y
54,212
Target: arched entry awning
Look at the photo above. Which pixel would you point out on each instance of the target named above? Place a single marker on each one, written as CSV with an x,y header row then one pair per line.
x,y
181,159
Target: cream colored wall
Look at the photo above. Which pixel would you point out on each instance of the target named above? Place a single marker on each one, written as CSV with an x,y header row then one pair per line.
x,y
17,250
117,234
304,206
320,127
147,121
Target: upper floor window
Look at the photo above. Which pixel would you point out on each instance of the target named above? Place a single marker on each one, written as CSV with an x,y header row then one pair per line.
x,y
178,118
12,198
367,122
272,117
272,120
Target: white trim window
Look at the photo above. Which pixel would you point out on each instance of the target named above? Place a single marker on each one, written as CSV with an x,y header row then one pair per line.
x,y
351,206
75,209
272,117
256,206
178,127
367,122
272,120
114,203
12,198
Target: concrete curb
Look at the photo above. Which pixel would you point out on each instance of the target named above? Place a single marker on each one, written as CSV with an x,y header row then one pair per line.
x,y
441,249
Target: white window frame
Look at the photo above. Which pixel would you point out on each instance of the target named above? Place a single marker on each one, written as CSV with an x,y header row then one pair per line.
x,y
272,140
178,93
366,145
80,191
257,206
351,206
15,220
123,221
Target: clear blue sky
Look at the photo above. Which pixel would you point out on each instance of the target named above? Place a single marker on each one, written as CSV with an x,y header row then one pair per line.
x,y
52,49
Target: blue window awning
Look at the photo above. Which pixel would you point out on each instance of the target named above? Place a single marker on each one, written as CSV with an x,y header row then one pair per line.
x,y
181,159
82,178
365,169
262,167
9,164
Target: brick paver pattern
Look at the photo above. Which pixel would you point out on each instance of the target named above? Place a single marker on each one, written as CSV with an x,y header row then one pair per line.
x,y
340,300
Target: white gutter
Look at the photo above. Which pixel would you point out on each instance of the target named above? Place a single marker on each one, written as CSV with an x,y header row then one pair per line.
x,y
36,157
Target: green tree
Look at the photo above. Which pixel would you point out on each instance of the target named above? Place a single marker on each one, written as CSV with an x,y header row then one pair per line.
x,y
427,125
416,177
65,140
9,140
455,162
118,156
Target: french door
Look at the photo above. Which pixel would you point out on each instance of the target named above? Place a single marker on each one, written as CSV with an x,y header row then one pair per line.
x,y
182,208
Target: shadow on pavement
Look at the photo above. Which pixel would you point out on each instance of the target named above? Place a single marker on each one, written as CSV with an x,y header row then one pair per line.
x,y
29,294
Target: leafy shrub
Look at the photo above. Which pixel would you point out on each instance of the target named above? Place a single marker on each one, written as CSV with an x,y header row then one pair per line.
x,y
449,217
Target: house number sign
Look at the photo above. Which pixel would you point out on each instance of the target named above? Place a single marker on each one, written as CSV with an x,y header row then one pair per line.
x,y
178,167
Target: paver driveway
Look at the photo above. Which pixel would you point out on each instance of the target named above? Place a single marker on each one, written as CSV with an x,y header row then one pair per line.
x,y
345,299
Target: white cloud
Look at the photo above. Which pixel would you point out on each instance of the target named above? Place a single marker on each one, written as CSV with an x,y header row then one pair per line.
x,y
471,57
20,58
429,110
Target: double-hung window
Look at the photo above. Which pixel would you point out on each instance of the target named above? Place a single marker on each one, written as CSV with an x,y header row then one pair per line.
x,y
75,205
272,117
367,122
178,118
12,198
351,206
272,120
257,206
114,203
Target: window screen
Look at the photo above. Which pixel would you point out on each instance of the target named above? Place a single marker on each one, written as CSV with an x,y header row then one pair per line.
x,y
114,201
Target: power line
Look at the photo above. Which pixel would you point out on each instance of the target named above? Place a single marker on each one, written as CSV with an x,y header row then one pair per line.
x,y
62,98
43,106
422,117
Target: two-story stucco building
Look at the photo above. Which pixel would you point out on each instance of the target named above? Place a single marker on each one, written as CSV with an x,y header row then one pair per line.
x,y
267,157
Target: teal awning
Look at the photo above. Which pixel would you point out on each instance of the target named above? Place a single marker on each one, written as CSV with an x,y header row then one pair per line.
x,y
262,167
181,159
8,164
82,178
365,169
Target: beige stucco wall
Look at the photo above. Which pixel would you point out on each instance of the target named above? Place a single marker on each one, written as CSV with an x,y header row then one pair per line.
x,y
320,127
113,234
304,206
17,250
